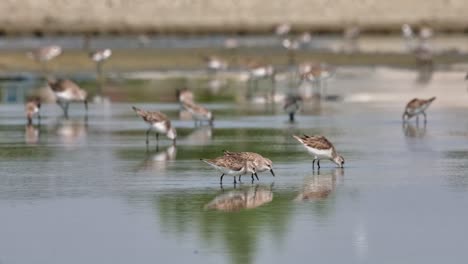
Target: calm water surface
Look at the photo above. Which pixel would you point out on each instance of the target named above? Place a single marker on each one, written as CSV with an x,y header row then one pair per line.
x,y
89,191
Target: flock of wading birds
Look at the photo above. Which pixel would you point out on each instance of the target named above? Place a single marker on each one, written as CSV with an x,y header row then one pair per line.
x,y
233,164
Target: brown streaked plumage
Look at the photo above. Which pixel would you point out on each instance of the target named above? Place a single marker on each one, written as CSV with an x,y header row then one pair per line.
x,y
415,107
67,91
157,121
184,95
292,104
32,107
321,148
261,163
199,113
231,165
45,53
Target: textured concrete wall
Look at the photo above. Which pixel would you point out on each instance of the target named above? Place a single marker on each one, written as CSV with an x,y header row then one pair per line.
x,y
220,15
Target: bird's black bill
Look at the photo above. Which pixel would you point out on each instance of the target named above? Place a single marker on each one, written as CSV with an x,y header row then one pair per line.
x,y
272,173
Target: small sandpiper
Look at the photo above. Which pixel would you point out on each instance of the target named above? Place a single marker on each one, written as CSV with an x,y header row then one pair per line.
x,y
320,148
159,122
214,63
100,55
199,113
416,107
32,108
231,165
46,53
261,163
184,95
282,29
66,91
261,71
292,104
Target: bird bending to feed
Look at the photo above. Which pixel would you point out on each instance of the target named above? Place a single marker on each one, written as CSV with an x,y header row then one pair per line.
x,y
67,91
32,108
231,165
320,148
199,113
159,122
261,163
416,107
292,104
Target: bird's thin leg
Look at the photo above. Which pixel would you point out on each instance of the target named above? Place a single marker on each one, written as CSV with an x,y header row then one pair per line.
x,y
235,182
313,163
425,117
318,163
157,137
67,104
239,178
85,102
147,135
256,176
221,179
253,178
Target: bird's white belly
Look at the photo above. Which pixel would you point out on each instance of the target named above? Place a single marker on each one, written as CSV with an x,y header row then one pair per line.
x,y
65,95
320,153
227,171
160,127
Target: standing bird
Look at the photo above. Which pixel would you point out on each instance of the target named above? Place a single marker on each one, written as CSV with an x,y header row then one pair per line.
x,y
282,29
261,163
215,64
45,54
416,107
99,56
320,148
231,165
159,122
292,104
32,108
66,91
199,113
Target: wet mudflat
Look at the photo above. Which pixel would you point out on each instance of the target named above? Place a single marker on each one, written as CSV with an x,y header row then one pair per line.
x,y
89,190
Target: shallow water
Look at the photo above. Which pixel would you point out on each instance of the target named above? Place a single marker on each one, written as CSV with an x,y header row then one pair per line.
x,y
89,190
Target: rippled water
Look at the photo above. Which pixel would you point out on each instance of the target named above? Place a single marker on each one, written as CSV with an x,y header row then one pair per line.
x,y
88,190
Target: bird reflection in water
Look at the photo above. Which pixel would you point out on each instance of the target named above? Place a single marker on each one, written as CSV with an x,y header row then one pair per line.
x,y
72,132
157,160
414,131
245,198
319,186
201,136
31,134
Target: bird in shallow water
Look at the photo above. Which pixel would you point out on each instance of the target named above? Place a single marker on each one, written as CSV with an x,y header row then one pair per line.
x,y
198,112
321,148
417,107
32,108
67,91
292,104
159,122
231,165
261,163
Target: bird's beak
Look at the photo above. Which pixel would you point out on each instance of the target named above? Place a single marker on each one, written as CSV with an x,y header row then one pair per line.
x,y
272,173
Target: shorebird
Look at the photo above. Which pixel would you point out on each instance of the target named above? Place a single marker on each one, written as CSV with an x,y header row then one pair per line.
x,y
99,56
416,107
419,44
282,29
159,122
261,163
292,104
215,64
66,91
317,75
231,165
199,113
32,108
45,54
184,95
320,148
351,35
291,45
